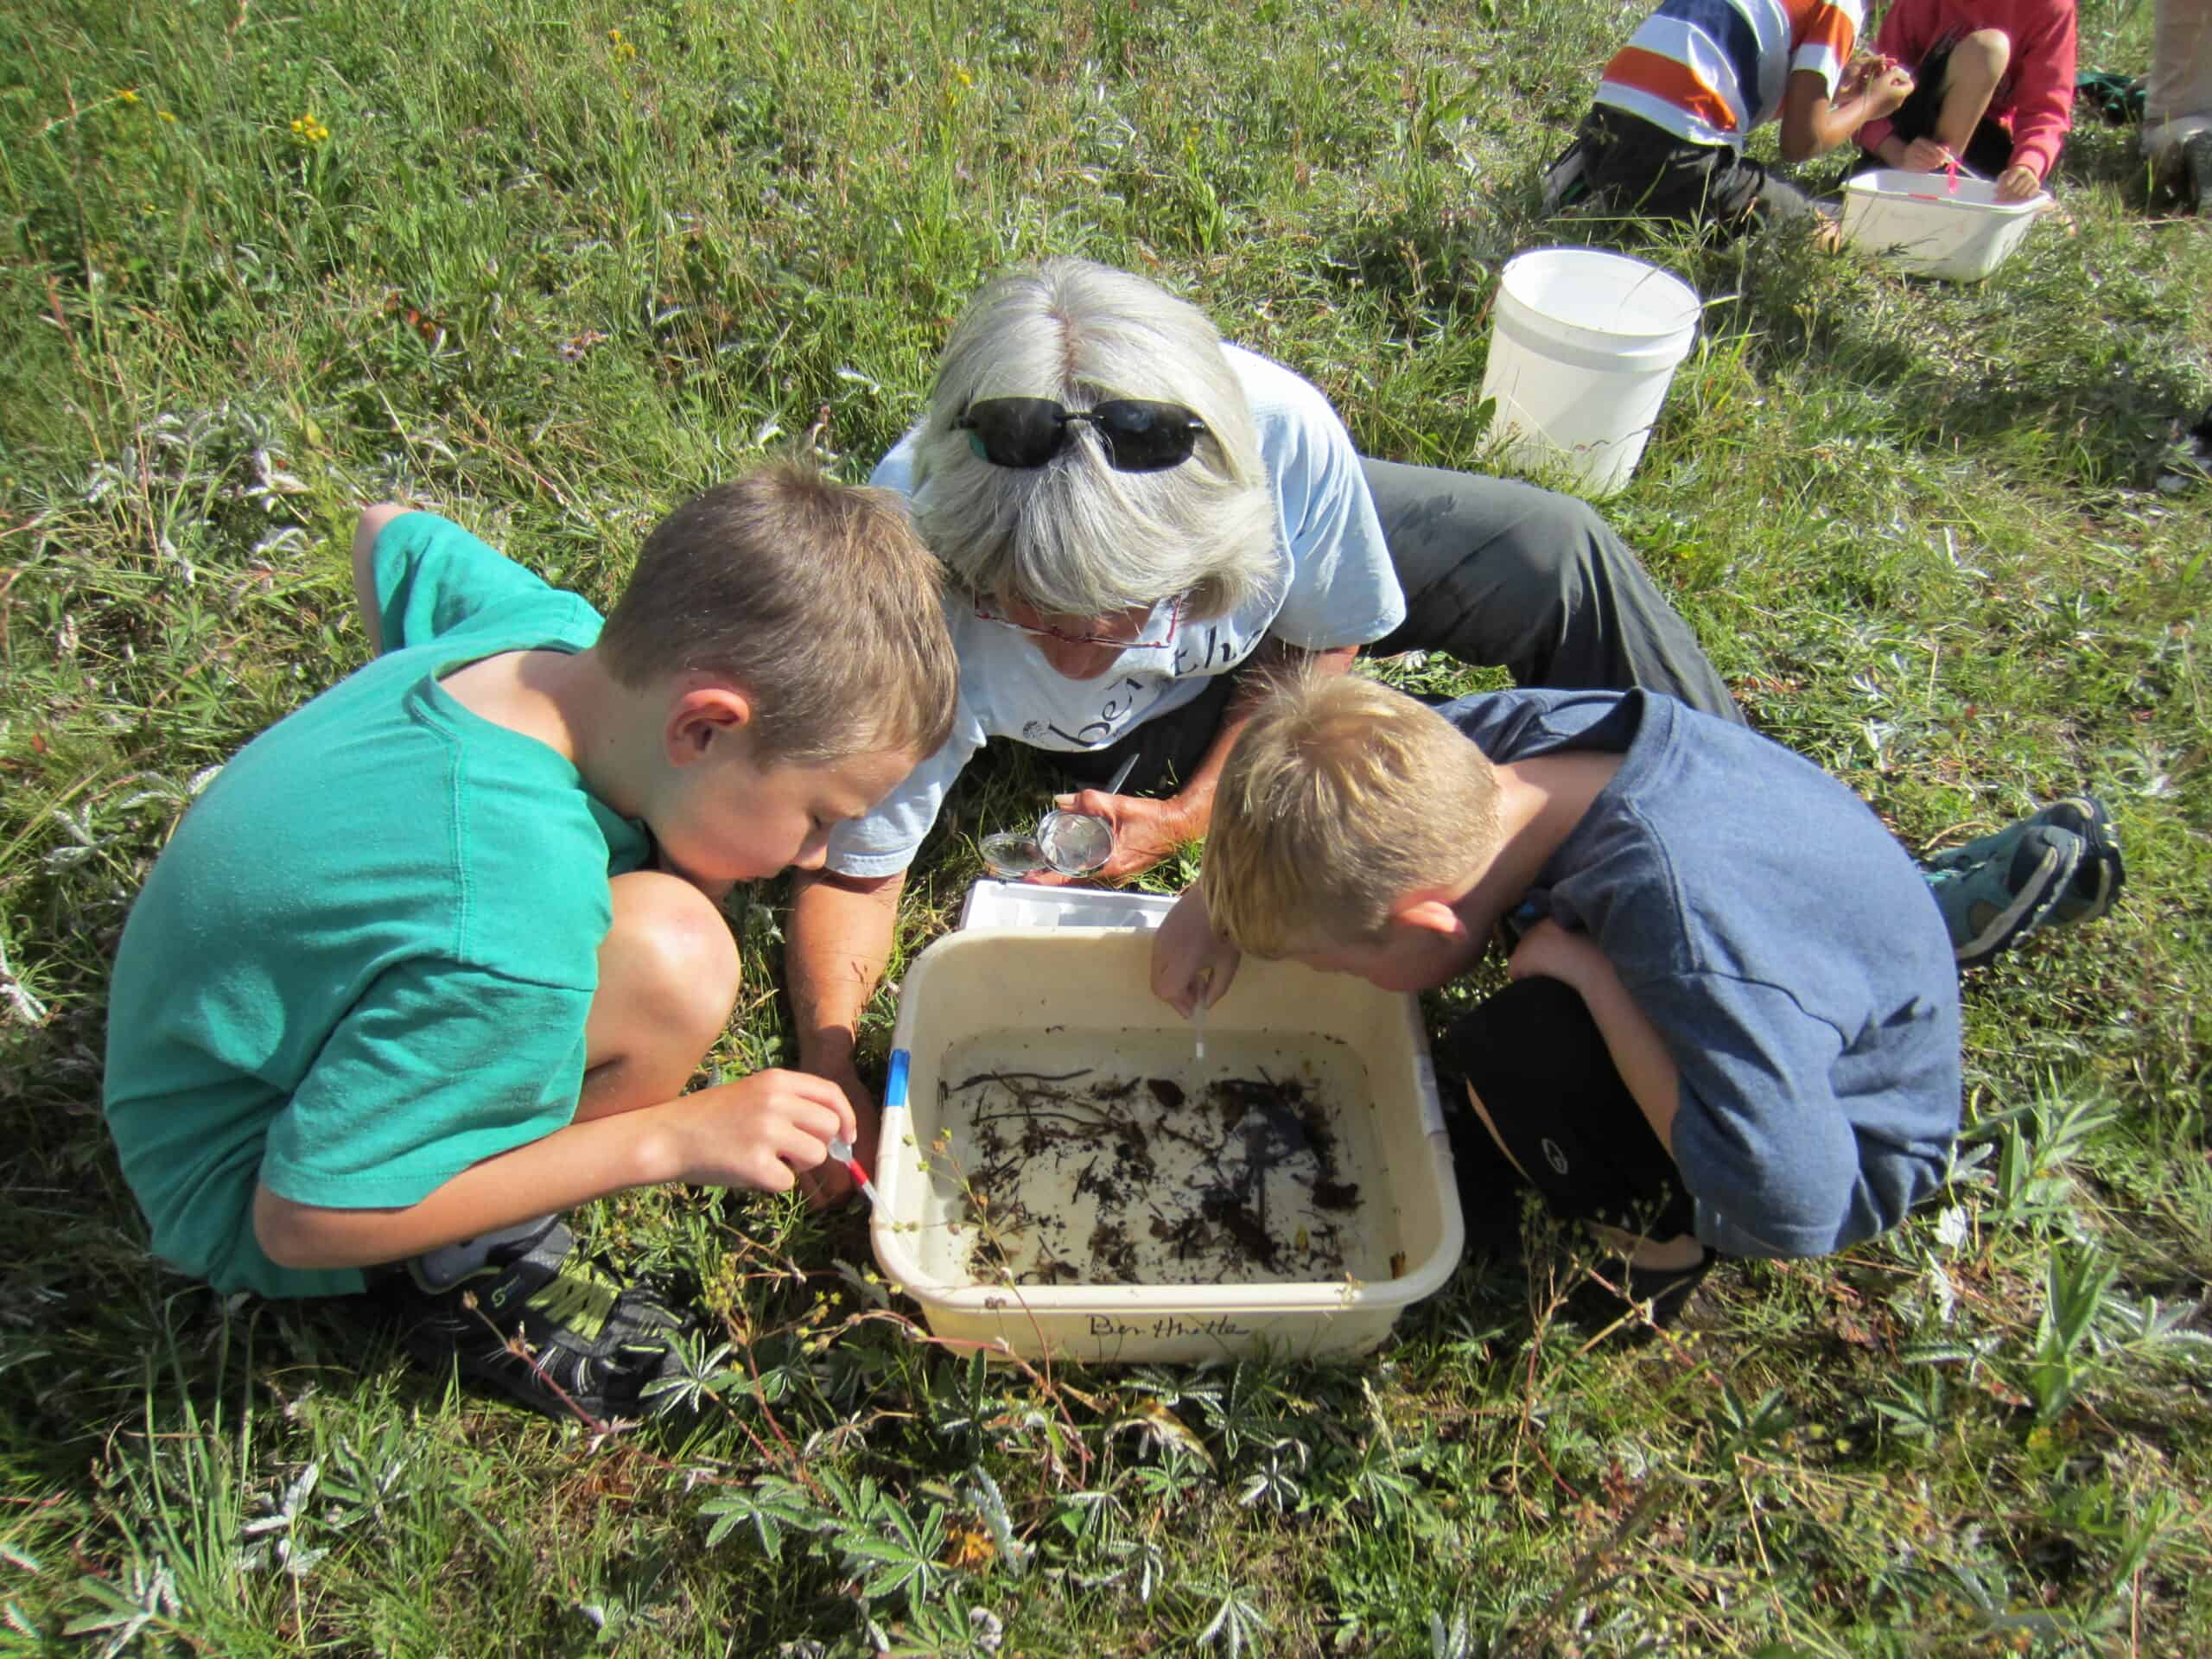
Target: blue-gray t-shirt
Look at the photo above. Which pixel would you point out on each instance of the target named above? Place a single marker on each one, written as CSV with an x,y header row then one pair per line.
x,y
1784,945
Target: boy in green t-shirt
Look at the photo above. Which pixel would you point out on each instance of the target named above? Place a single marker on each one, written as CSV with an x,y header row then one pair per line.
x,y
433,958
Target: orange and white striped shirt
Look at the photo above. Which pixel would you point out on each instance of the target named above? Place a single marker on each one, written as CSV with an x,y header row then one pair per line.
x,y
1710,71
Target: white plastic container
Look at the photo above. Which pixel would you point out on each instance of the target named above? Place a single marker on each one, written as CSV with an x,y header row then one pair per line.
x,y
1079,997
1583,346
1026,904
1913,220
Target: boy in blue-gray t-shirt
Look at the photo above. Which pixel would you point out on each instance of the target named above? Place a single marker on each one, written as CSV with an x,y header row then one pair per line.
x,y
1733,1023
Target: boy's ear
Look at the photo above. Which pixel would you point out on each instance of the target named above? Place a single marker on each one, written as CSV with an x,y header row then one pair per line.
x,y
1430,916
698,715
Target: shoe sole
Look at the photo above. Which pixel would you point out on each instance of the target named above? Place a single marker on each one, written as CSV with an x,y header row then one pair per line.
x,y
2030,905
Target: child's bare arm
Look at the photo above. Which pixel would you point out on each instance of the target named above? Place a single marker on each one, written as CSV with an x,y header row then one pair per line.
x,y
1550,951
758,1132
1812,125
1190,961
366,529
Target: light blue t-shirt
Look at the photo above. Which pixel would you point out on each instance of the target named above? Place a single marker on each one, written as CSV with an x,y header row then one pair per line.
x,y
1335,587
1784,944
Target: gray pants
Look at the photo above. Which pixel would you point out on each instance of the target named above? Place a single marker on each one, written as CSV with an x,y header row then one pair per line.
x,y
1502,574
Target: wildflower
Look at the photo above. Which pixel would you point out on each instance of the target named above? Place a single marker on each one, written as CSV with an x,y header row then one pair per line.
x,y
623,50
166,115
308,131
128,95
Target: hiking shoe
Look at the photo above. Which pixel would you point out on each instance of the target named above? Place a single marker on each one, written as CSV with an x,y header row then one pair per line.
x,y
1668,1289
2188,175
1566,181
2102,874
1666,1292
2097,879
593,1343
1991,901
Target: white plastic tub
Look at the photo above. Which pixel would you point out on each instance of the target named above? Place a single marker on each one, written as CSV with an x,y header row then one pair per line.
x,y
1070,997
1915,222
1583,346
1025,903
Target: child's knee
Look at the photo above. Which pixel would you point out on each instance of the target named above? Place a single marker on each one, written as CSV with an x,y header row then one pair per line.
x,y
673,952
370,524
1989,50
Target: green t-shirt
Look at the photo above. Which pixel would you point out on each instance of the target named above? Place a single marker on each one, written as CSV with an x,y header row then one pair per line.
x,y
363,962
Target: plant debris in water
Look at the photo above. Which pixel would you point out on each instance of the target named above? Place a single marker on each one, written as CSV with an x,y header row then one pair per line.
x,y
1235,1180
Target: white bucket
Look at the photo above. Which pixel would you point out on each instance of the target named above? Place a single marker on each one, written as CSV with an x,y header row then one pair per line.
x,y
1583,346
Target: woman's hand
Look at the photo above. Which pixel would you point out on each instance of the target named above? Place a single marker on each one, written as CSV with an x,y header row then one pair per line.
x,y
2017,183
1190,961
1145,832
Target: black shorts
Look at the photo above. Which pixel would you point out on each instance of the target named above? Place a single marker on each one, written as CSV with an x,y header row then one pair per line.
x,y
1635,168
1537,1061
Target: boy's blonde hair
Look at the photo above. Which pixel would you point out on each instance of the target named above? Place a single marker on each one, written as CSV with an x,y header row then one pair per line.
x,y
1341,797
818,598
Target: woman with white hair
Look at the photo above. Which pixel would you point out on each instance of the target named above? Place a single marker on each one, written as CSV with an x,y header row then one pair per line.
x,y
1134,513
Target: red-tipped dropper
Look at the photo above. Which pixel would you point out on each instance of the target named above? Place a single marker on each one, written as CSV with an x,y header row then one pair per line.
x,y
842,1153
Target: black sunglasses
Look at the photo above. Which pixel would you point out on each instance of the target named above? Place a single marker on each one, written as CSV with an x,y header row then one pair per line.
x,y
1140,436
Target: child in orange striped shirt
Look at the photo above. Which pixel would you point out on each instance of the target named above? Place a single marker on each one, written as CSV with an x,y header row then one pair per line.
x,y
1666,137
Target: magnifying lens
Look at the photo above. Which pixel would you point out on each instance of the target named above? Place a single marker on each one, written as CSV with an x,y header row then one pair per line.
x,y
1067,843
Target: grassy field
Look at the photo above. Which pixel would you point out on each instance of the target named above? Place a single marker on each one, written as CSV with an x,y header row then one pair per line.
x,y
549,270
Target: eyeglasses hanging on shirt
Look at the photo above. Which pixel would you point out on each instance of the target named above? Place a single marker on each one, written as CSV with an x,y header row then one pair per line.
x,y
985,614
1138,436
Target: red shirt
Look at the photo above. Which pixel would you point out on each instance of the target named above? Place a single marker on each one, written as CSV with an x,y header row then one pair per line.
x,y
2034,102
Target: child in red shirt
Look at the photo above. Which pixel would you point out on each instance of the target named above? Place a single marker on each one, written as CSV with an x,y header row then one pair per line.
x,y
1993,89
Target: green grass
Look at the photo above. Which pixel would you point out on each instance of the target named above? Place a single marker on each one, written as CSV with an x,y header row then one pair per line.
x,y
549,287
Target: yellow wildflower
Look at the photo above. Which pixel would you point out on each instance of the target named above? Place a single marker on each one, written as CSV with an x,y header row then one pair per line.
x,y
309,131
129,95
623,50
166,115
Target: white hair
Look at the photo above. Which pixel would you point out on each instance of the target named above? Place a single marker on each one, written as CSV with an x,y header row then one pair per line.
x,y
1074,536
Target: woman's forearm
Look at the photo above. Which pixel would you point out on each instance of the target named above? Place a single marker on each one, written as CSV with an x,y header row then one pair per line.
x,y
841,933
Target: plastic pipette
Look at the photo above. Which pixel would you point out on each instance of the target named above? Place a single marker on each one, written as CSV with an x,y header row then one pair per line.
x,y
842,1152
1198,1013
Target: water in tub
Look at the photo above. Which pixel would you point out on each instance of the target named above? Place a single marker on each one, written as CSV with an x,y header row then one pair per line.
x,y
1117,1157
